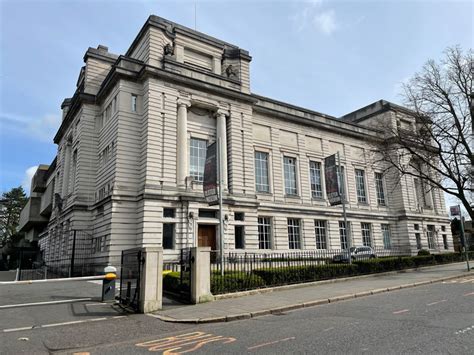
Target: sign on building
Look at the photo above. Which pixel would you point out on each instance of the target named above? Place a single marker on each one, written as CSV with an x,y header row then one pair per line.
x,y
455,210
210,175
332,184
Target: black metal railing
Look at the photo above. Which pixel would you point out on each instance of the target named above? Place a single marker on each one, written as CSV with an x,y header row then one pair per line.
x,y
245,271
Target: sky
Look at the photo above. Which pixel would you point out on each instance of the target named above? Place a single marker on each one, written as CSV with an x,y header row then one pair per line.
x,y
328,56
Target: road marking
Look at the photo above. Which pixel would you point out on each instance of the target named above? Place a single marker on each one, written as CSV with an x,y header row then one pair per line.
x,y
433,303
270,343
464,281
401,311
469,294
328,329
44,303
462,331
61,324
184,343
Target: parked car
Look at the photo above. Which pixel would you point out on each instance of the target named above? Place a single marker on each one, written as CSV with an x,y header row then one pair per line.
x,y
356,253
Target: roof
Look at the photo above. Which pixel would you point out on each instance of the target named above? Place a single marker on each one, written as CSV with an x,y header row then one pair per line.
x,y
373,109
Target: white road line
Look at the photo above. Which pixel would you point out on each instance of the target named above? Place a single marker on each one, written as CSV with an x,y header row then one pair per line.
x,y
17,329
464,281
61,324
401,311
469,294
328,329
270,343
45,303
433,303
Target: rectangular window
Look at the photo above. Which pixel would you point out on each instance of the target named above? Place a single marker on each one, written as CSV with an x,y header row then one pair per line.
x,y
239,237
320,232
387,240
239,216
380,189
315,176
197,158
207,213
261,172
430,235
289,166
343,235
168,235
445,242
418,241
168,212
114,105
416,227
366,234
443,228
360,186
294,240
264,233
134,103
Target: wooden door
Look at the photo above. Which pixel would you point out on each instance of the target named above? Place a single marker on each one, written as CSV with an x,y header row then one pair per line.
x,y
207,236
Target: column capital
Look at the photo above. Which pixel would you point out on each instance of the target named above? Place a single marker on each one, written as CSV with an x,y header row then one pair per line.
x,y
220,112
183,102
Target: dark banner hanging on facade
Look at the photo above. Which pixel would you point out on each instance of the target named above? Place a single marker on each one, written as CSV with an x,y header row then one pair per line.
x,y
210,175
332,186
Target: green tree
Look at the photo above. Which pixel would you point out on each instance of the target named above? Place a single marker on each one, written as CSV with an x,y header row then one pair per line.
x,y
11,204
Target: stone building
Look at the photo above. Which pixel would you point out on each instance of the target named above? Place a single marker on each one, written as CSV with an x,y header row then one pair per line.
x,y
132,146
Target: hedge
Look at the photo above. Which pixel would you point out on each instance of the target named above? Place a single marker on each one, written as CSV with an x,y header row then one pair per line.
x,y
172,282
297,274
234,282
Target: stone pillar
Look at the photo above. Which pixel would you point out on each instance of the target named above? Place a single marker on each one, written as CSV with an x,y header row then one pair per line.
x,y
151,280
222,134
201,275
66,168
182,145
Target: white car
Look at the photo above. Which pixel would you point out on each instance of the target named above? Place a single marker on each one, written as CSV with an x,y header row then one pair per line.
x,y
357,253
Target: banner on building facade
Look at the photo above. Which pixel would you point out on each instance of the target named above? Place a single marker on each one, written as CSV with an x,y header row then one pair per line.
x,y
455,210
210,175
332,184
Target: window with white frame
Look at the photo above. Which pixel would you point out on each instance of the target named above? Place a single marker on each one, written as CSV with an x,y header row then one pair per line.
x,y
320,232
197,158
264,233
343,235
294,237
289,167
366,234
262,183
315,177
360,186
134,103
387,238
430,236
380,189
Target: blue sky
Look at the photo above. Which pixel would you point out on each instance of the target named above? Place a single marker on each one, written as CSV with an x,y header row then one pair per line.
x,y
329,56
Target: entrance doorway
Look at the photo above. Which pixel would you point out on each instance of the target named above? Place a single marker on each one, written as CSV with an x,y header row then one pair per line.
x,y
207,236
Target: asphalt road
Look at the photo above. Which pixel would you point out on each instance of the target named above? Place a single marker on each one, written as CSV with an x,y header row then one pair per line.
x,y
436,318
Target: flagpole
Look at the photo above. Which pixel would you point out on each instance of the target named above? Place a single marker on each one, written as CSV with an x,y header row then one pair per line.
x,y
343,200
221,216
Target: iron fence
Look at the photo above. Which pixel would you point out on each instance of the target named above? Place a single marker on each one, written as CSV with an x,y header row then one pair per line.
x,y
245,271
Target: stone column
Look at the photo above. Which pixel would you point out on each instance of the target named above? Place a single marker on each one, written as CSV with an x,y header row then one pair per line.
x,y
201,275
151,280
66,168
222,134
182,145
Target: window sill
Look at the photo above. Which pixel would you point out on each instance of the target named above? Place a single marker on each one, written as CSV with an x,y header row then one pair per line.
x,y
293,196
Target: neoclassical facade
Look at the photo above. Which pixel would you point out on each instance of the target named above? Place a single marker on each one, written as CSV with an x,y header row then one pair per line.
x,y
132,146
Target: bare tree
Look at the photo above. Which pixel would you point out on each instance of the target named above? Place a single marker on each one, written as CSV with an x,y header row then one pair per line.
x,y
437,147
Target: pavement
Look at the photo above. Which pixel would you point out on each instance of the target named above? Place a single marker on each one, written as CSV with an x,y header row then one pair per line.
x,y
277,300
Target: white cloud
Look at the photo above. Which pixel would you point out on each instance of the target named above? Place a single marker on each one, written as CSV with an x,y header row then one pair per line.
x,y
312,15
42,129
326,21
26,182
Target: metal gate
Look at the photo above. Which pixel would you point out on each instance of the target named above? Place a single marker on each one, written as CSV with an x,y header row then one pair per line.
x,y
185,275
130,273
